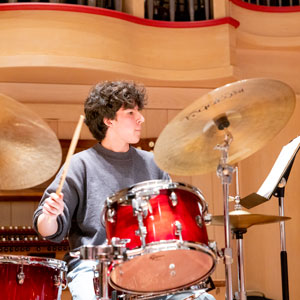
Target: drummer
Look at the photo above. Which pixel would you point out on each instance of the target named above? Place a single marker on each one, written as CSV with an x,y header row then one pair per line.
x,y
113,115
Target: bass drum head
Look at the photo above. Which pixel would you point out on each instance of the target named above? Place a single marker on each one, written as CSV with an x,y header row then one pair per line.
x,y
163,271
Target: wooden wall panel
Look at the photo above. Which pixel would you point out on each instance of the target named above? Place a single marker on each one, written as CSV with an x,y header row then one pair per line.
x,y
43,44
262,243
5,214
22,212
155,122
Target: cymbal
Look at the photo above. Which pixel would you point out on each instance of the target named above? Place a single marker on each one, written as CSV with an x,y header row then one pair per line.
x,y
30,152
243,219
255,110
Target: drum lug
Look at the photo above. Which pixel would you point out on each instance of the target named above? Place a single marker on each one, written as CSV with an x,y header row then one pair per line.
x,y
57,281
21,276
207,219
173,198
140,205
111,213
213,246
199,221
63,281
142,231
178,230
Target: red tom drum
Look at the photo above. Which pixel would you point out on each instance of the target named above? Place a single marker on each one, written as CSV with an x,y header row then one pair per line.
x,y
31,278
168,246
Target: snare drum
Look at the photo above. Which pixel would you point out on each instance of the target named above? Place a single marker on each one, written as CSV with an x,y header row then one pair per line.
x,y
167,245
31,278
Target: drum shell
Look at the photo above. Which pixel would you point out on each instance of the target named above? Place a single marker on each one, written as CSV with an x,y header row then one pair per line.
x,y
43,278
160,221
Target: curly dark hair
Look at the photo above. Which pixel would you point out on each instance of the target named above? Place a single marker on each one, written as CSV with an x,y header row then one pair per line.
x,y
106,98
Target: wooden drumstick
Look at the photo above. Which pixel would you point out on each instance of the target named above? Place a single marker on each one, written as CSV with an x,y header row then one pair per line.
x,y
70,153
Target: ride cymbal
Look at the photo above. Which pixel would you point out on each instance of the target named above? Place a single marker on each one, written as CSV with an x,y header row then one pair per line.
x,y
30,153
242,219
252,110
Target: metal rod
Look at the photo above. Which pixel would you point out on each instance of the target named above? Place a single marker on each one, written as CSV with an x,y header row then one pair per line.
x,y
241,274
104,283
192,10
283,254
224,171
282,224
227,250
172,10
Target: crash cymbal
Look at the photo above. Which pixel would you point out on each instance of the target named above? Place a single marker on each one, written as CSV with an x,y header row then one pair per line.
x,y
243,219
29,150
254,110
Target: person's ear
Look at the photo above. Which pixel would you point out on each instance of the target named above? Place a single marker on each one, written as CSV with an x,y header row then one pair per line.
x,y
107,122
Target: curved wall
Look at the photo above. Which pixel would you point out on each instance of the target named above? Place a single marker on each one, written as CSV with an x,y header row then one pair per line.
x,y
95,43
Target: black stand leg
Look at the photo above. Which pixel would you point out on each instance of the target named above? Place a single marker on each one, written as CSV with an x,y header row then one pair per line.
x,y
279,193
284,275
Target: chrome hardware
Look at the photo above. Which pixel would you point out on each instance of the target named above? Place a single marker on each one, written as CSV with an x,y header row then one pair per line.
x,y
199,221
173,198
57,281
142,231
96,282
213,246
119,248
207,219
150,207
117,242
178,230
21,276
111,213
64,283
75,254
140,206
100,280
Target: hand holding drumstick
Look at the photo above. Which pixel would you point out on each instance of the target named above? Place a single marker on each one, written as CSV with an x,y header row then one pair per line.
x,y
54,204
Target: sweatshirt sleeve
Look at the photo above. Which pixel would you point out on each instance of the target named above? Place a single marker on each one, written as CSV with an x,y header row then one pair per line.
x,y
71,199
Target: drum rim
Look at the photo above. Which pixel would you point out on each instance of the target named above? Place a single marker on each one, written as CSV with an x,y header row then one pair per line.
x,y
34,260
185,246
167,184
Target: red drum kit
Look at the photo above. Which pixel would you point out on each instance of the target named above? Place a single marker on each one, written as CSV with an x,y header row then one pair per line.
x,y
164,224
157,242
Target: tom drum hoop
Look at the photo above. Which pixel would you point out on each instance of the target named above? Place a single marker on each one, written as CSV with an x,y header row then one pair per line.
x,y
168,246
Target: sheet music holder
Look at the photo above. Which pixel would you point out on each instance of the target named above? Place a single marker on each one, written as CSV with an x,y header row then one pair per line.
x,y
280,168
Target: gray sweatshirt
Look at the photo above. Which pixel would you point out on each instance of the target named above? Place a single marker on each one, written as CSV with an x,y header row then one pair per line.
x,y
93,175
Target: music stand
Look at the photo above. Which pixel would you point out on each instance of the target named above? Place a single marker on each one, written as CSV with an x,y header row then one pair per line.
x,y
274,185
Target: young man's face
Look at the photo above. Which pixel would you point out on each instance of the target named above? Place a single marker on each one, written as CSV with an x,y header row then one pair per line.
x,y
127,125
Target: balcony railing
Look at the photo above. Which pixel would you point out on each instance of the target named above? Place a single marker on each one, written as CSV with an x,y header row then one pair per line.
x,y
165,10
274,2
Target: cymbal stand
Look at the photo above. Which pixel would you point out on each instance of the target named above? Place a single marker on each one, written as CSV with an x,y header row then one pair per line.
x,y
279,193
224,172
239,232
